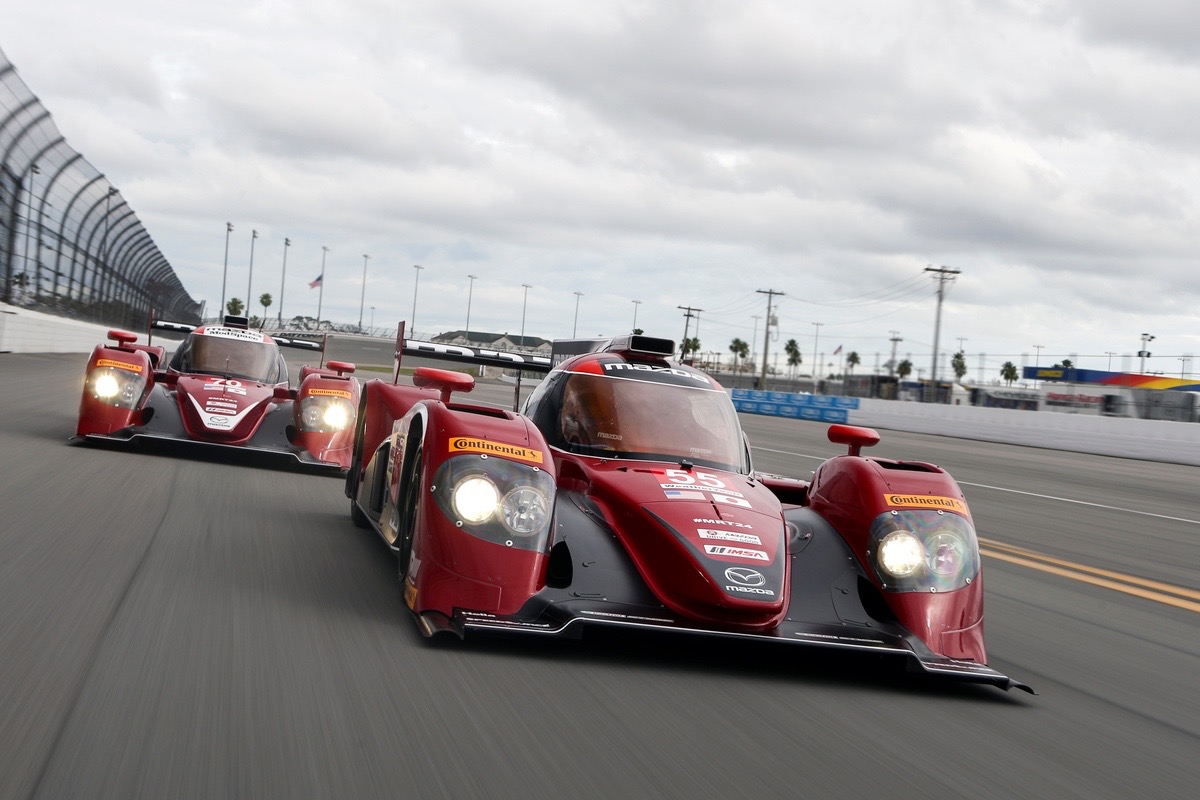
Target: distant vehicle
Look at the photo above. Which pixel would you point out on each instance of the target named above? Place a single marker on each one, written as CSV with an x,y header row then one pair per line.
x,y
624,495
225,386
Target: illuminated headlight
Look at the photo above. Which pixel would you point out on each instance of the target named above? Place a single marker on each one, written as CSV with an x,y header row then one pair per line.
x,y
499,500
337,416
475,499
106,386
120,388
325,415
524,510
901,554
922,550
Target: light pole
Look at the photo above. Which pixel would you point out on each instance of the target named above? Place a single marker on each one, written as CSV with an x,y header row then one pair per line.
x,y
1037,362
362,298
1110,354
225,270
575,327
524,301
286,244
250,280
321,289
470,292
816,355
636,303
372,317
416,283
1144,353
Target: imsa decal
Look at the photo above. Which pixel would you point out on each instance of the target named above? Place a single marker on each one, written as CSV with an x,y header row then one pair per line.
x,y
926,501
468,444
735,552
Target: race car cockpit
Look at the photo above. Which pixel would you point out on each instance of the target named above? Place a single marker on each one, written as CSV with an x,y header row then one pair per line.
x,y
231,354
639,416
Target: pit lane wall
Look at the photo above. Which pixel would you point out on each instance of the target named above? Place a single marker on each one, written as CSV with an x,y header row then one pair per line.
x,y
1152,440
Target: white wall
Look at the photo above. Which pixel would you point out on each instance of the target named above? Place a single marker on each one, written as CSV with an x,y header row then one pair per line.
x,y
1154,440
24,331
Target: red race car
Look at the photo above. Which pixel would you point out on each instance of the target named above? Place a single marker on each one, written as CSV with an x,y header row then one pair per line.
x,y
225,386
624,495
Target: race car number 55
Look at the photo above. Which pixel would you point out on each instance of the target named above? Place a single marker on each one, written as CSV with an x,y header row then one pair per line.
x,y
694,478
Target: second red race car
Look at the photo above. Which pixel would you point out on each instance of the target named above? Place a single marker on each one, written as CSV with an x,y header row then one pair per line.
x,y
225,386
624,495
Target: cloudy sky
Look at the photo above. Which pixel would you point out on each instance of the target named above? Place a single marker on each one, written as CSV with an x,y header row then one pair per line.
x,y
692,153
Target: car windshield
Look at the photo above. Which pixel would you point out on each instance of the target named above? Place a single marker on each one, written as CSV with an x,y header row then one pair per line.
x,y
233,358
636,418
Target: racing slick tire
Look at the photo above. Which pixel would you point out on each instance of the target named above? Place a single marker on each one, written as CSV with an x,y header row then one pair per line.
x,y
410,505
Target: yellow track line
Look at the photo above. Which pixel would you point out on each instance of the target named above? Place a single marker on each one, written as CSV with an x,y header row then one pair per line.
x,y
1127,584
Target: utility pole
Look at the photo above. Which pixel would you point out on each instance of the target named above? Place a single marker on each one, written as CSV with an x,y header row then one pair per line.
x,y
895,340
770,293
687,319
943,275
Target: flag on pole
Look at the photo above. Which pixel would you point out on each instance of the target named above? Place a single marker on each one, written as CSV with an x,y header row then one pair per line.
x,y
317,282
838,352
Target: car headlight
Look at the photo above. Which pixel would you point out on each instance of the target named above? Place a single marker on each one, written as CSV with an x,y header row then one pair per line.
x,y
496,499
325,414
120,388
475,498
923,550
901,554
524,510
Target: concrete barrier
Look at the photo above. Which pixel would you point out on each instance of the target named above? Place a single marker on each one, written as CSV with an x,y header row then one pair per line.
x,y
25,331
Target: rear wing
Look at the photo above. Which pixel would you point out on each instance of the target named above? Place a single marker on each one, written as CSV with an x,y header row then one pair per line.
x,y
286,340
465,355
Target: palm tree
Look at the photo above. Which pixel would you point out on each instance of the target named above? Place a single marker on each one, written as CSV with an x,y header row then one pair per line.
x,y
264,300
235,306
852,361
959,365
904,369
792,349
691,345
740,350
1009,372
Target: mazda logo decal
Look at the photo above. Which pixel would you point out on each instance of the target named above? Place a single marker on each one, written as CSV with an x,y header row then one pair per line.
x,y
745,576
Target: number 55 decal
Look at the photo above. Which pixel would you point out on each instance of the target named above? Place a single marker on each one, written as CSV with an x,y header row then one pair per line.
x,y
694,478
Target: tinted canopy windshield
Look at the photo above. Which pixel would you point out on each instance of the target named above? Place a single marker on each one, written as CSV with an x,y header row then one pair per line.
x,y
635,418
230,357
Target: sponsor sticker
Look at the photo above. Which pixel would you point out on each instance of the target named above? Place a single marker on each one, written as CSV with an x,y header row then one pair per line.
x,y
735,552
714,489
470,444
729,522
729,536
108,362
926,501
683,494
235,333
329,393
221,422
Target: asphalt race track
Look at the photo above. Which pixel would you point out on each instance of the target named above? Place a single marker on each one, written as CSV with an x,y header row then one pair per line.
x,y
183,628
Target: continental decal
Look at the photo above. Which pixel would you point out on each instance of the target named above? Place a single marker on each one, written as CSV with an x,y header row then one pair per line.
x,y
926,501
329,393
108,362
467,444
